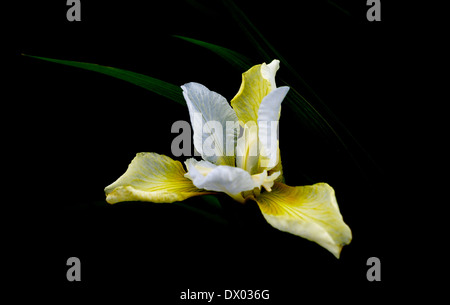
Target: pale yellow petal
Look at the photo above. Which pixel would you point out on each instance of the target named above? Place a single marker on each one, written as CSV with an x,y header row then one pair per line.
x,y
256,84
254,88
308,211
152,177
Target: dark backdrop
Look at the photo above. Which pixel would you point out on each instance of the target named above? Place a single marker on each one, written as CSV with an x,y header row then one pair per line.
x,y
76,132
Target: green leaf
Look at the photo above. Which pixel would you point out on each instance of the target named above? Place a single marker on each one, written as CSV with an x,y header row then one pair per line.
x,y
160,87
234,58
340,8
212,201
203,211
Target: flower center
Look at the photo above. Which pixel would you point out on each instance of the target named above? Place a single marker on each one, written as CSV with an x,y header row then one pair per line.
x,y
251,194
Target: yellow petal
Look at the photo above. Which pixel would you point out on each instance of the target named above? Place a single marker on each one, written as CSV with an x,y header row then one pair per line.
x,y
152,177
257,82
308,211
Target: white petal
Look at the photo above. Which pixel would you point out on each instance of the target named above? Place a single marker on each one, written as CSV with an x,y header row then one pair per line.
x,y
247,154
222,178
264,180
268,116
202,166
269,71
214,138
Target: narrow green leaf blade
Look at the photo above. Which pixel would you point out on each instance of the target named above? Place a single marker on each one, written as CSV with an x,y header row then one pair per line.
x,y
212,201
212,216
234,58
340,8
160,87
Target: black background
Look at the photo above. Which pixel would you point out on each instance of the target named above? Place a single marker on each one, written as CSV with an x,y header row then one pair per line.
x,y
76,132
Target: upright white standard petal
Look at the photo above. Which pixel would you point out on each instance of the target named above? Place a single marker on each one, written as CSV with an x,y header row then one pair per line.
x,y
268,117
222,178
214,123
269,71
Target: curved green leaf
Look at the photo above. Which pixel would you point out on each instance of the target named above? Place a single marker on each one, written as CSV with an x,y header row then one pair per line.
x,y
234,58
210,211
160,87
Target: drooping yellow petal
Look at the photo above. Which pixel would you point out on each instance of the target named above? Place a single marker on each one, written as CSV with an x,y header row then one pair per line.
x,y
257,82
152,177
308,211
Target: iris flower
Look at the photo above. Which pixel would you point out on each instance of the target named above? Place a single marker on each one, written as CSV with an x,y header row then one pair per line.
x,y
243,162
